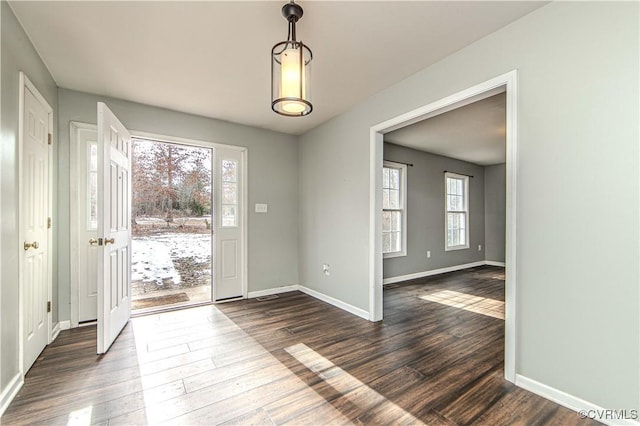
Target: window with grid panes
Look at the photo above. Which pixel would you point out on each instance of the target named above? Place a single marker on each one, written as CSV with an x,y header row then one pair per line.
x,y
394,209
457,214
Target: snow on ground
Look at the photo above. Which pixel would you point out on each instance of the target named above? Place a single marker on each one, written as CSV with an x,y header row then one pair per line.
x,y
146,221
149,220
152,256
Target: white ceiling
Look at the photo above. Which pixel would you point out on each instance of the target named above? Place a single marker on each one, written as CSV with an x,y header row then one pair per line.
x,y
473,133
213,58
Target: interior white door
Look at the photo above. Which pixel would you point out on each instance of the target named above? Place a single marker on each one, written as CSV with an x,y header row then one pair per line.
x,y
229,276
34,222
114,227
87,262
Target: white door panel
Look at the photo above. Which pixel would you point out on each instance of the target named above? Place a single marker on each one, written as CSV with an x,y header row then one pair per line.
x,y
114,227
35,250
229,276
229,257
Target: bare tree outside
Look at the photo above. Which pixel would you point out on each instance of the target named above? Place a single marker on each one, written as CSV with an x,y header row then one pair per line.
x,y
172,216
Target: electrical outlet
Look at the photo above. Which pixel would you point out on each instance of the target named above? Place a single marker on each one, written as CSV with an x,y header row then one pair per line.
x,y
428,254
479,247
325,269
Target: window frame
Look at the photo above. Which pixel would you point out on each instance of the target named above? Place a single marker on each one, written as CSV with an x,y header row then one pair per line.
x,y
402,209
465,186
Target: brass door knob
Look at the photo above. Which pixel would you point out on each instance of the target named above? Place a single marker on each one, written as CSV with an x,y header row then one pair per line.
x,y
109,241
93,241
34,244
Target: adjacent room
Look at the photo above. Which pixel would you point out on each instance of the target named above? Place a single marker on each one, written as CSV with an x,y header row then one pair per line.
x,y
317,212
443,230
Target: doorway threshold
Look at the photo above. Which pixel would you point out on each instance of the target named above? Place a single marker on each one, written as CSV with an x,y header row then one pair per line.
x,y
162,309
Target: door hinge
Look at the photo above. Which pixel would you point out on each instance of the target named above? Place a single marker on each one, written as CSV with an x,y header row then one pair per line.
x,y
49,222
48,307
50,139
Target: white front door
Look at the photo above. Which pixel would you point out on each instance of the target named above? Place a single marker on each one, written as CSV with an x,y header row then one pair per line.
x,y
114,227
87,223
34,219
229,275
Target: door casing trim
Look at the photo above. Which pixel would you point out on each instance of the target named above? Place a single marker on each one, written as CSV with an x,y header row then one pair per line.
x,y
74,204
506,82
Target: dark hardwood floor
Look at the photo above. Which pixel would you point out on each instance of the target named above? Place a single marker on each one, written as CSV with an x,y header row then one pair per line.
x,y
437,358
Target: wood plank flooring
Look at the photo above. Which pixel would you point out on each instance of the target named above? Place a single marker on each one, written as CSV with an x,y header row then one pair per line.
x,y
295,360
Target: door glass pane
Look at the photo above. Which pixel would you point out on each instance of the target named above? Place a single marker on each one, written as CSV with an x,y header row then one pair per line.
x,y
93,157
92,186
228,215
229,196
229,171
92,202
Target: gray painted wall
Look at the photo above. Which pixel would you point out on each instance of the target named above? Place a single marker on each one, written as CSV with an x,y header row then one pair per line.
x,y
17,54
273,179
578,86
495,183
578,129
426,212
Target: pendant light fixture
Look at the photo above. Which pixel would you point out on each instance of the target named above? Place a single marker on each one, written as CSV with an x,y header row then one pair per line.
x,y
290,70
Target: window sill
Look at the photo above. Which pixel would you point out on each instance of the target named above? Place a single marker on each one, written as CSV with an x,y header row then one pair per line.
x,y
456,248
394,254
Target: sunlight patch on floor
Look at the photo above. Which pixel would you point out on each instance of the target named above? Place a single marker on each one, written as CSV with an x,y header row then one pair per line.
x,y
479,305
208,383
81,417
346,384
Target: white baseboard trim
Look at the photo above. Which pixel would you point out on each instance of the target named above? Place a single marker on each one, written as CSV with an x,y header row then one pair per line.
x,y
313,293
10,392
55,331
60,325
494,263
423,274
270,291
580,406
335,302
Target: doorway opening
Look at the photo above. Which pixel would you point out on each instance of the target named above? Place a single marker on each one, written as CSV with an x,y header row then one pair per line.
x,y
506,83
215,219
172,206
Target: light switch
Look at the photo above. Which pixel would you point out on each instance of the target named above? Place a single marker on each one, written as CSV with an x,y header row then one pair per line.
x,y
261,208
